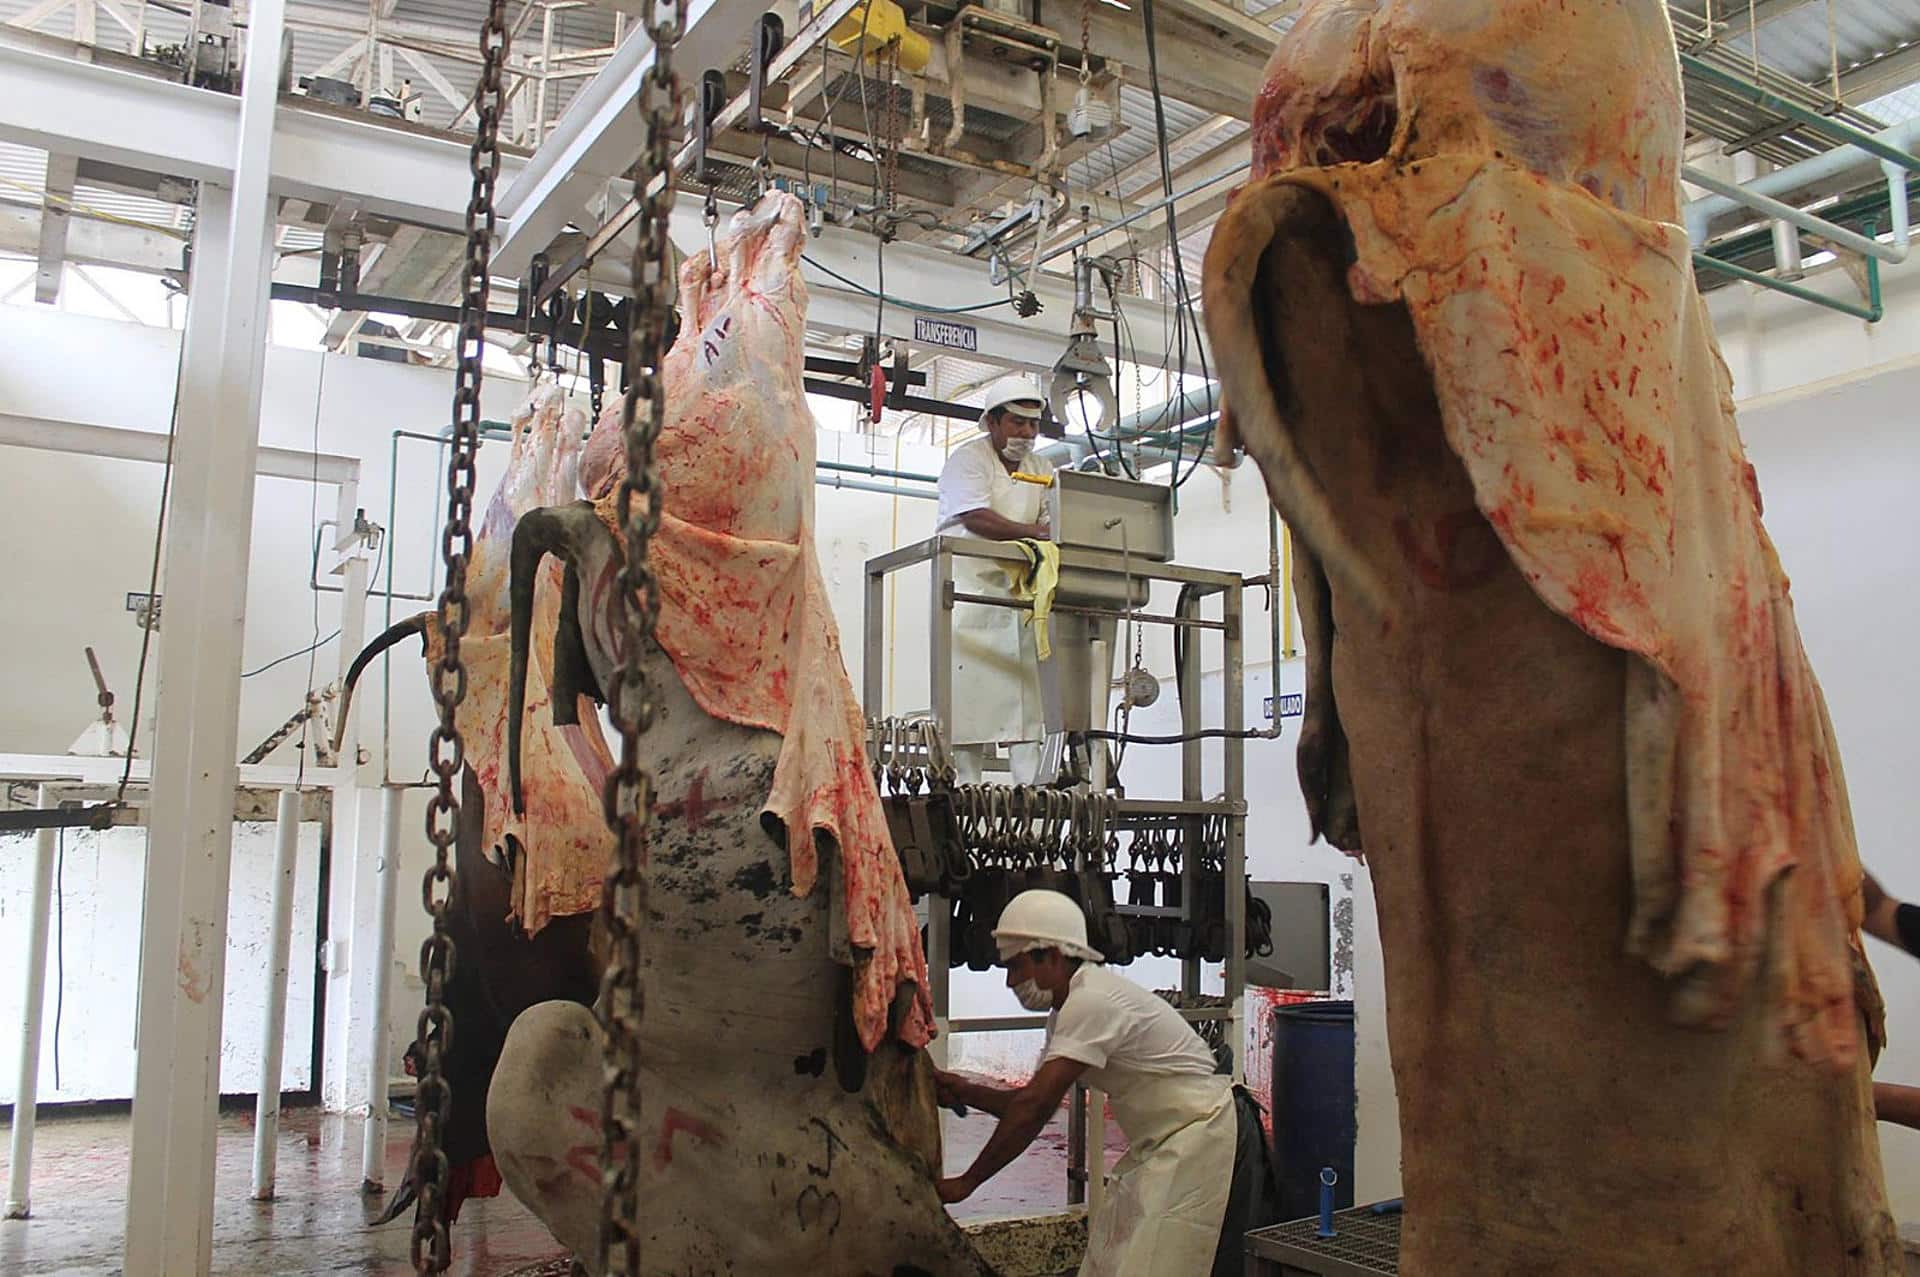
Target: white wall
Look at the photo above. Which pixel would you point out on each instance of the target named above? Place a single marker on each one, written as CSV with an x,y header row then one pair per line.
x,y
86,526
94,970
1838,473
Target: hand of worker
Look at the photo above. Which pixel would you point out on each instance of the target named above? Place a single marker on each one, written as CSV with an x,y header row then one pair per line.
x,y
947,1088
955,1188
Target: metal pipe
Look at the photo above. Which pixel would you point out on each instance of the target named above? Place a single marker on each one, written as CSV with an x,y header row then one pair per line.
x,y
1844,133
27,1082
1830,164
1897,204
860,485
1275,606
1799,217
266,1103
1286,578
875,472
373,1145
1786,250
1142,211
1871,313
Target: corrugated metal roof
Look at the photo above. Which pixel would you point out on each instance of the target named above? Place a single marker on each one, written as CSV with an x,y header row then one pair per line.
x,y
1897,107
1800,43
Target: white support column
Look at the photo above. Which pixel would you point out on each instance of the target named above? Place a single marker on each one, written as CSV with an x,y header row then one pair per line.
x,y
266,1107
374,1145
27,1088
189,843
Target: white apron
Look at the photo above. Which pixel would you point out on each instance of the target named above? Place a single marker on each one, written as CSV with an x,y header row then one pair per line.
x,y
1167,1198
996,672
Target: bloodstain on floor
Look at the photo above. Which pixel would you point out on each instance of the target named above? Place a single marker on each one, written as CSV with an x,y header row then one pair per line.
x,y
318,1223
1033,1183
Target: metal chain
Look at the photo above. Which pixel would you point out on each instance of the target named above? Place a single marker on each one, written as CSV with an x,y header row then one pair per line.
x,y
431,1251
1086,39
894,131
628,795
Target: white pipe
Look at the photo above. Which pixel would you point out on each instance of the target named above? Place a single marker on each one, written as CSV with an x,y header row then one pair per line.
x,y
374,1131
27,1088
266,1105
1904,136
1897,202
1786,250
1799,217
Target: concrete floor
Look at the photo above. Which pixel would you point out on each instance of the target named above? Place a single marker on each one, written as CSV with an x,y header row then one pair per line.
x,y
319,1224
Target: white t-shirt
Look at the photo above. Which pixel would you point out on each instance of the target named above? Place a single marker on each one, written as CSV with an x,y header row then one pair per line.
x,y
1112,1025
975,478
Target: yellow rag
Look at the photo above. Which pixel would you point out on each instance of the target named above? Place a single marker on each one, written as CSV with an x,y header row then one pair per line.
x,y
1036,582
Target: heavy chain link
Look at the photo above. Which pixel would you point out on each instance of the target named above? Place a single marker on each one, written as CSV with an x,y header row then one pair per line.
x,y
431,1251
628,795
1086,40
894,131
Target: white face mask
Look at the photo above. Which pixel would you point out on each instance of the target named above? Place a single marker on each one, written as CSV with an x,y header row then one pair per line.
x,y
1032,996
1016,450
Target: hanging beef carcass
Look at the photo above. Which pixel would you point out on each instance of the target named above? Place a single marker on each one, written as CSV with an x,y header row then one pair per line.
x,y
525,885
789,1115
1555,690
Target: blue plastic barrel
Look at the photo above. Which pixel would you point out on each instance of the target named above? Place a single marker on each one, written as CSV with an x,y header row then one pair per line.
x,y
1313,1103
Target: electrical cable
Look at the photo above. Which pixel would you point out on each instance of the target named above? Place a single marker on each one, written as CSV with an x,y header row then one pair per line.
x,y
1205,733
1184,297
282,660
153,577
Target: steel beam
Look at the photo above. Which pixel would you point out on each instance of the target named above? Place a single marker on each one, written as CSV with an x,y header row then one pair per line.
x,y
51,251
1213,72
135,121
89,242
150,445
599,133
96,770
189,846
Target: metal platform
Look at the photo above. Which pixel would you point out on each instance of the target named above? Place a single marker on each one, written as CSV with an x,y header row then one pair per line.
x,y
1363,1245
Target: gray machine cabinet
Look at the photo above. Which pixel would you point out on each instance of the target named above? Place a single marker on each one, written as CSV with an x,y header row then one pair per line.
x,y
1081,504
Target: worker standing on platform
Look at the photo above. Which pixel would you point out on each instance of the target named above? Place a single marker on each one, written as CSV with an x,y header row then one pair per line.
x,y
996,675
1187,1168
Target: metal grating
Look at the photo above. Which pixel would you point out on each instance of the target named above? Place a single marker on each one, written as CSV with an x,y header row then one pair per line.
x,y
1363,1243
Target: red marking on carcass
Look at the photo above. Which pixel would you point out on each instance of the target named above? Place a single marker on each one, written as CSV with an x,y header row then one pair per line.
x,y
1463,560
696,806
674,1122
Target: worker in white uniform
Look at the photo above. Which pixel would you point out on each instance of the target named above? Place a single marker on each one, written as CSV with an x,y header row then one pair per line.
x,y
1168,1198
996,673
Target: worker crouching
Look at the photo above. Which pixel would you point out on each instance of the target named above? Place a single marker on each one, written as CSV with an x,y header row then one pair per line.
x,y
1189,1164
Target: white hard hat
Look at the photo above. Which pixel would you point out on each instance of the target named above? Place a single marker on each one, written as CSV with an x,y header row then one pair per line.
x,y
1043,920
1018,393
